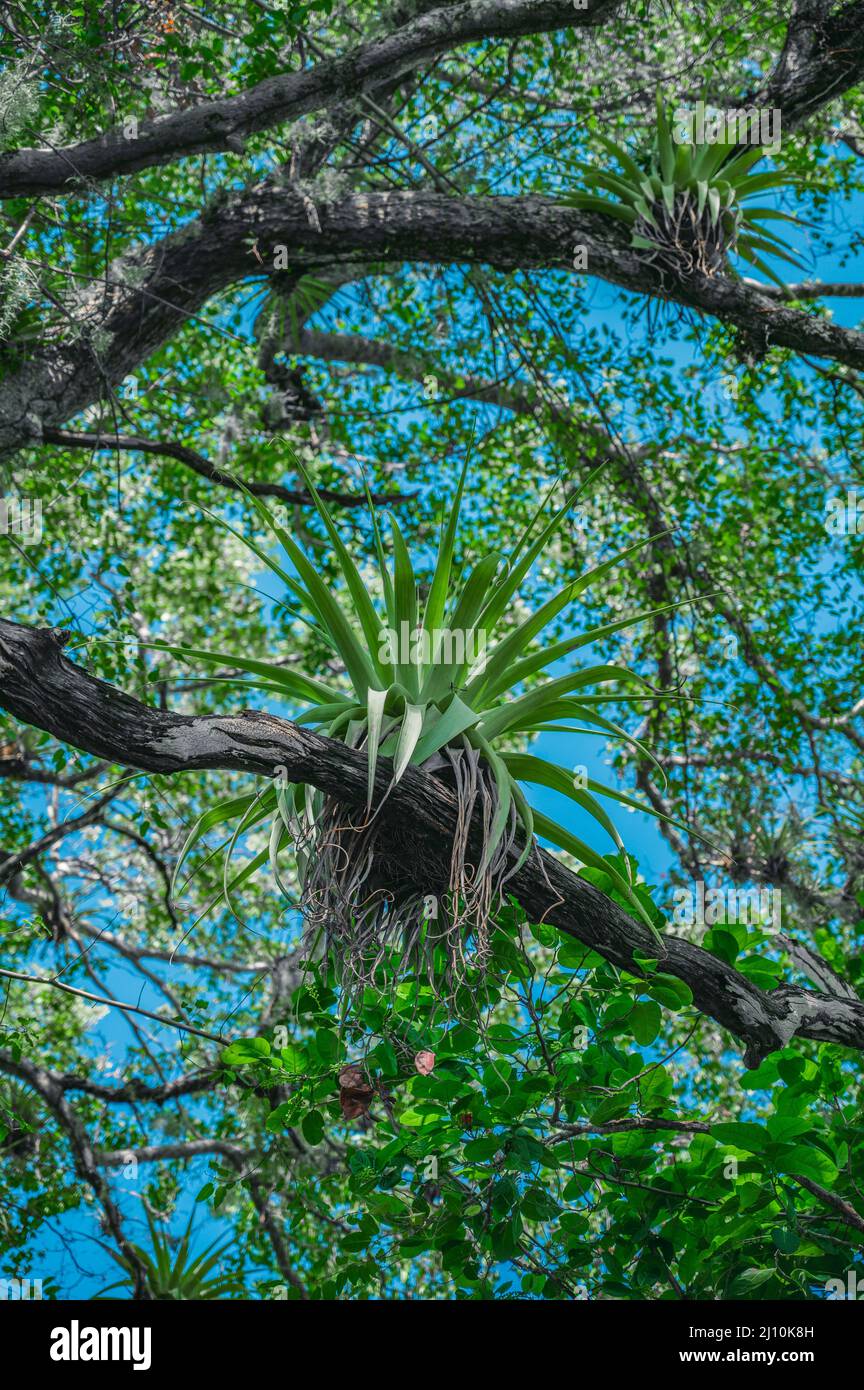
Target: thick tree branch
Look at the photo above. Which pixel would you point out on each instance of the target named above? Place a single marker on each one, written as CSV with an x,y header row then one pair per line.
x,y
136,1090
161,1153
146,296
817,969
223,125
822,57
84,439
41,687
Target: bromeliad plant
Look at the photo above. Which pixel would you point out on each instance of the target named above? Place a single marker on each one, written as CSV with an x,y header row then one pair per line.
x,y
454,698
174,1276
685,204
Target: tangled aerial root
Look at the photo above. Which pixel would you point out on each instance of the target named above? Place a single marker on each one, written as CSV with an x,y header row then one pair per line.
x,y
685,243
375,923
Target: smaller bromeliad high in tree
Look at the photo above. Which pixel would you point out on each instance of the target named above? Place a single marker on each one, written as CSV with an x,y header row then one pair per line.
x,y
687,204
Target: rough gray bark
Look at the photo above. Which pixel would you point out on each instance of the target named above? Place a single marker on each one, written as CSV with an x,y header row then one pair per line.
x,y
222,125
823,56
39,686
183,270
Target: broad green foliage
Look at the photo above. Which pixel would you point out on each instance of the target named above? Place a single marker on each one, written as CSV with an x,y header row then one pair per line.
x,y
691,201
541,1154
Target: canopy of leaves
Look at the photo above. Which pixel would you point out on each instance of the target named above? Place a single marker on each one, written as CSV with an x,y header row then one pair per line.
x,y
564,1129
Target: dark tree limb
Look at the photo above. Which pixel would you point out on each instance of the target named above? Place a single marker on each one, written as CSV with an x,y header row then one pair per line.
x,y
51,1092
817,969
39,686
830,1199
168,282
822,57
137,313
135,1090
162,1153
223,125
85,439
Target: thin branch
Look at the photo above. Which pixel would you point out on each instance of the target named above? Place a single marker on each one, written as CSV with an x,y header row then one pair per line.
x,y
48,1087
807,289
14,863
109,1003
830,1199
82,439
224,124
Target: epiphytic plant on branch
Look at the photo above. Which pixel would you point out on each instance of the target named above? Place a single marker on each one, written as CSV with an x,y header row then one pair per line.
x,y
437,684
174,1275
688,204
